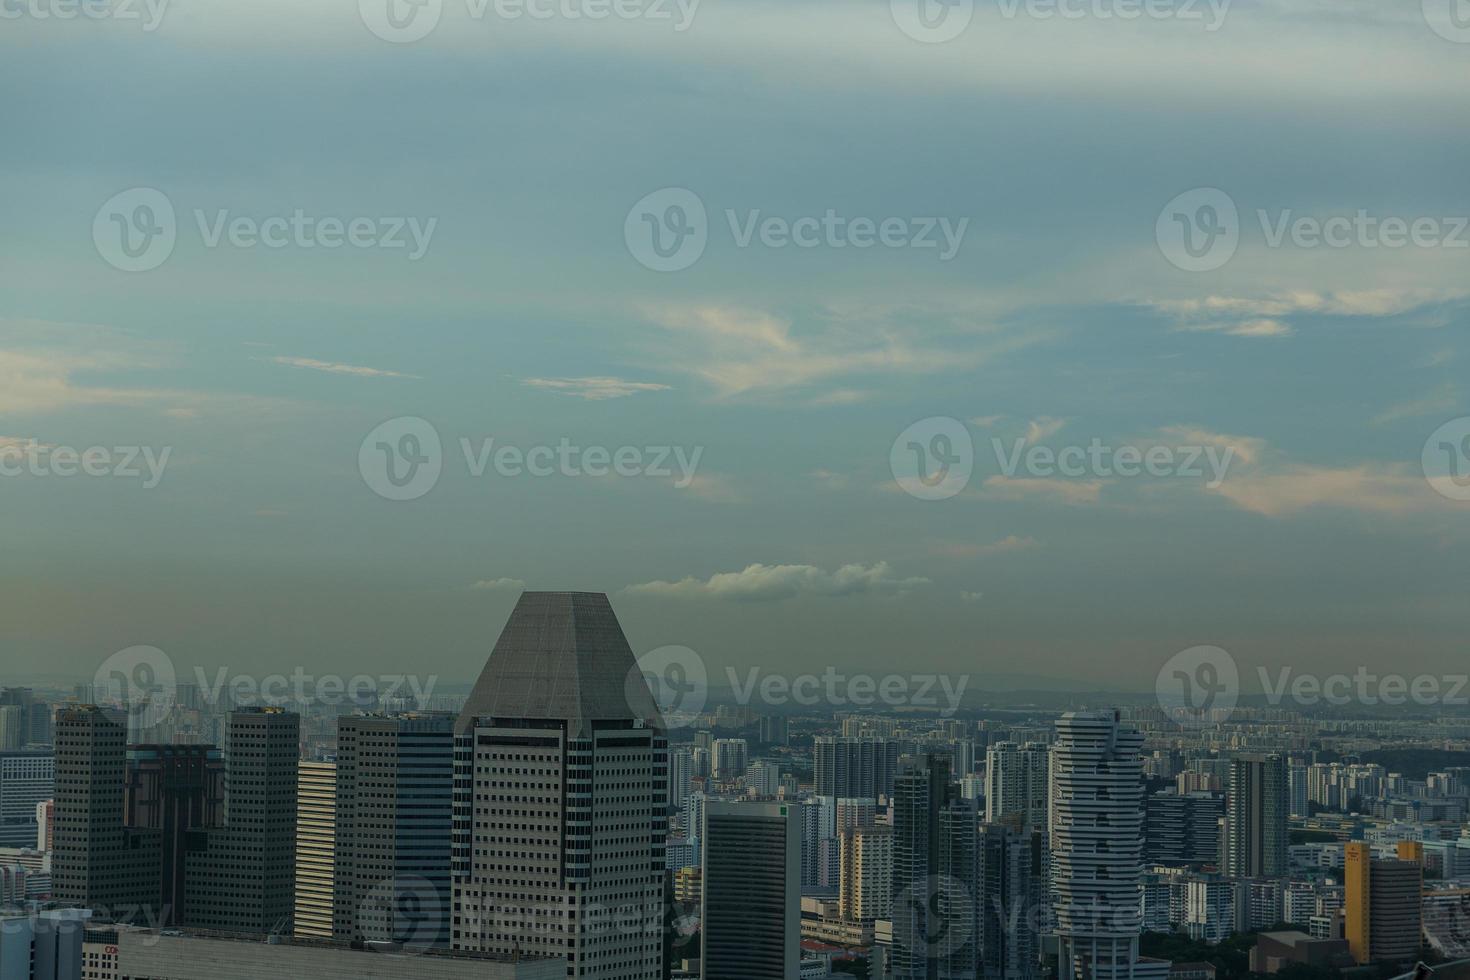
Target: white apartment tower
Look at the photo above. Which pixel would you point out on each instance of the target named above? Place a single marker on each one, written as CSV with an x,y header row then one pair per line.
x,y
1097,845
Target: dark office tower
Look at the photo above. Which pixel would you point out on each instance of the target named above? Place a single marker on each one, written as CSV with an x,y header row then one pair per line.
x,y
1010,898
241,877
561,796
395,812
98,862
935,924
1183,828
750,916
855,766
1256,817
1096,845
173,789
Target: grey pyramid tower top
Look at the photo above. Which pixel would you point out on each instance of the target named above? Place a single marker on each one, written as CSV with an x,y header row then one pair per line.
x,y
561,655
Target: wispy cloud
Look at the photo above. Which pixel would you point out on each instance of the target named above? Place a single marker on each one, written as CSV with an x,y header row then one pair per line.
x,y
1043,428
335,367
593,389
739,351
1268,316
499,585
1030,488
765,583
1445,398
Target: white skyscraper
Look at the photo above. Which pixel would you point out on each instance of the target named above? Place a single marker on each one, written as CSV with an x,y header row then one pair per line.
x,y
561,808
1096,822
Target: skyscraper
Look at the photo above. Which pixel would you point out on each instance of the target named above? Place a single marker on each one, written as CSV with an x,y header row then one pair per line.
x,y
241,877
1382,906
174,789
98,862
316,832
1097,845
27,778
865,890
934,868
729,758
1183,828
1010,899
854,766
395,819
1256,821
1016,783
561,796
750,915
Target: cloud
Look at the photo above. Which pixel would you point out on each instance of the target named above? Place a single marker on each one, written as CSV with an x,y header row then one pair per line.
x,y
1288,489
333,367
594,388
499,585
1266,316
970,598
830,479
1245,450
1029,488
986,421
714,488
1445,398
965,549
739,351
1043,428
766,583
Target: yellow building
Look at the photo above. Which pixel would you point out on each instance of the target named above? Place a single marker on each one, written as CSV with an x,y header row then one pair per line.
x,y
1382,904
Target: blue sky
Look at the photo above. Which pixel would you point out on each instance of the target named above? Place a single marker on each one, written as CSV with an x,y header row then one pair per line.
x,y
1323,369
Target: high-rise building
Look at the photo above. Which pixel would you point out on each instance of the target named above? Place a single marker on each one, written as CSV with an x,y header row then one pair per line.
x,y
750,915
395,825
316,834
561,796
1016,784
1011,896
1382,905
763,777
681,776
1183,828
865,890
1096,845
1297,784
852,766
27,778
173,789
12,727
729,758
935,920
241,877
1256,821
98,862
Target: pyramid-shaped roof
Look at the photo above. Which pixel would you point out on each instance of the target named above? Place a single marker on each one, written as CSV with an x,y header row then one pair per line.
x,y
561,655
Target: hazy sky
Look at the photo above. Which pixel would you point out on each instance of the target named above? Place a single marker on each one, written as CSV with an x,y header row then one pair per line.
x,y
529,319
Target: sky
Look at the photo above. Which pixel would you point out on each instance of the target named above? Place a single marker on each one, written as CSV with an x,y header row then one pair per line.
x,y
1035,175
